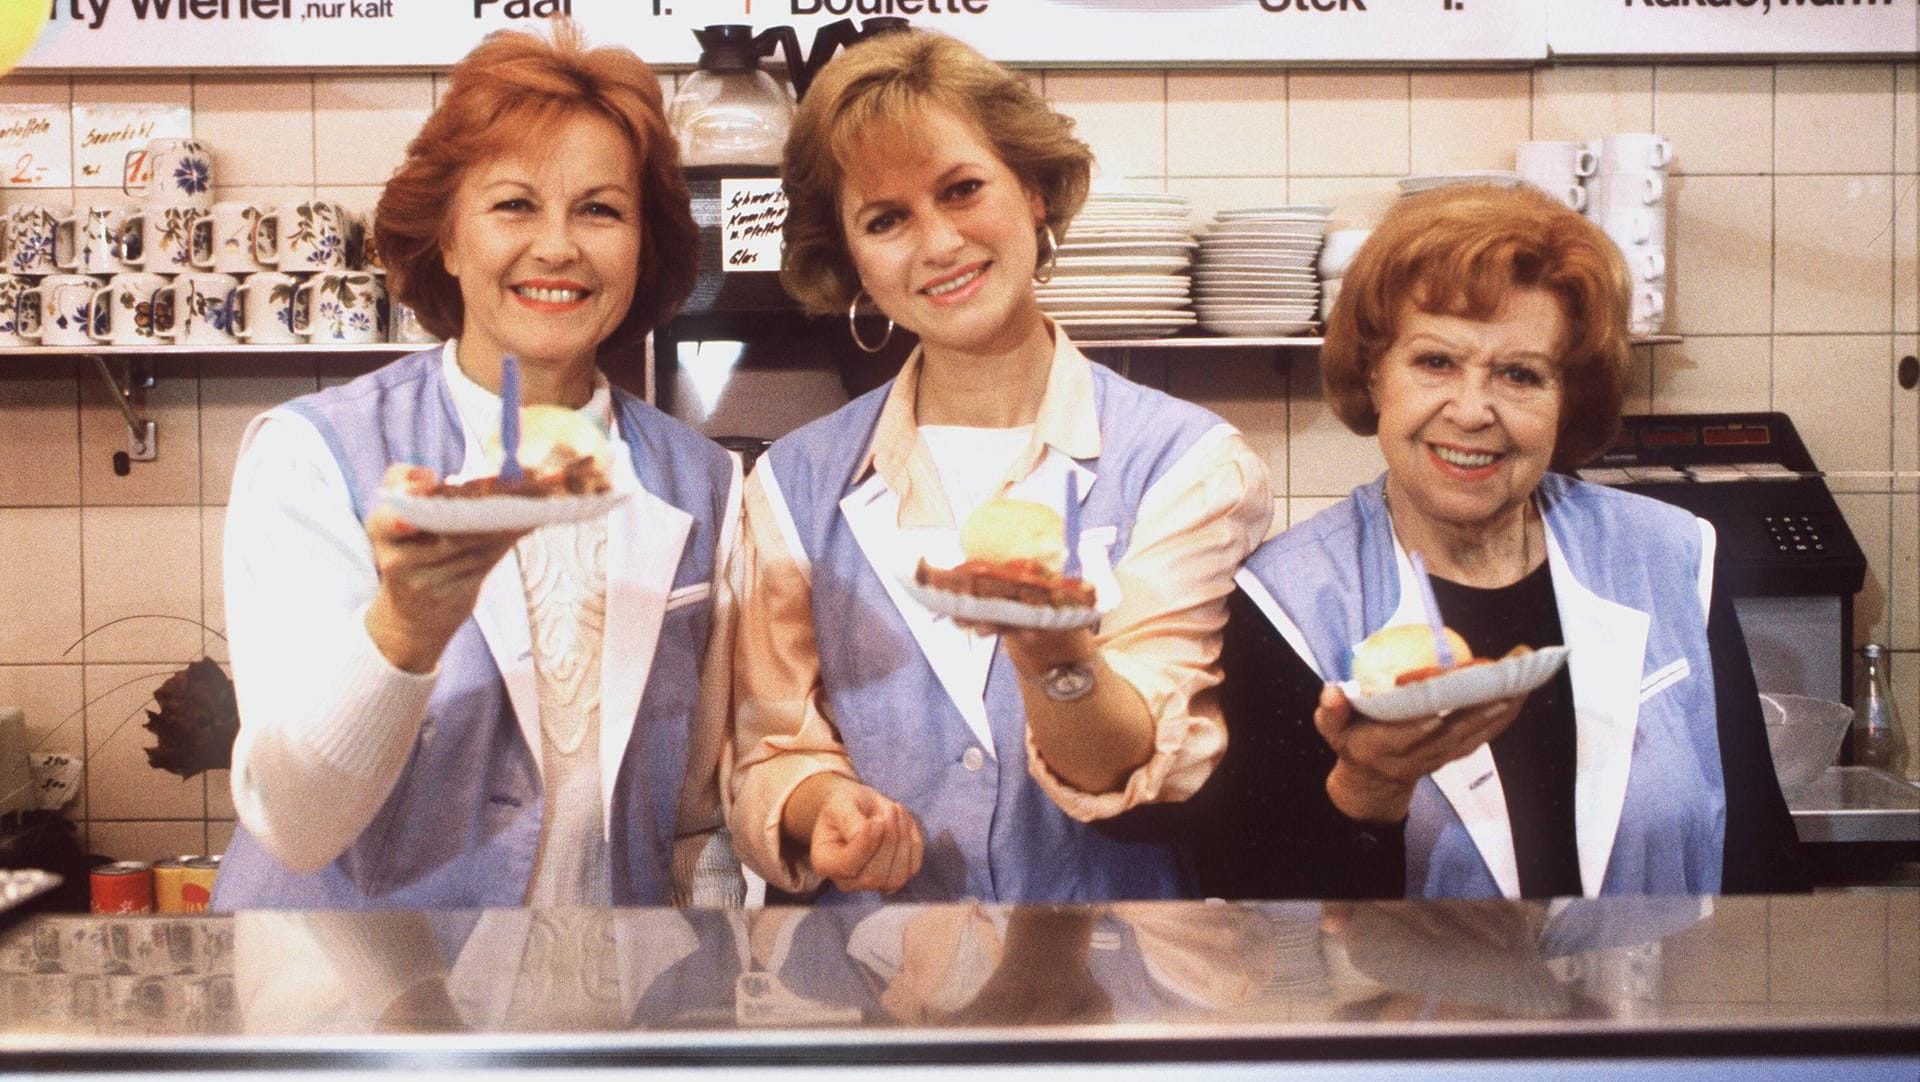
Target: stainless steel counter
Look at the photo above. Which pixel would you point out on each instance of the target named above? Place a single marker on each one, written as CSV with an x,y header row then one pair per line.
x,y
1858,804
1668,986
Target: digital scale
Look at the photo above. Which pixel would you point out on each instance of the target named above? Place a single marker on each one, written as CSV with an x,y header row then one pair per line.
x,y
1786,554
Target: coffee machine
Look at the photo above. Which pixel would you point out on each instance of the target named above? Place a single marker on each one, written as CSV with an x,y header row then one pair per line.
x,y
741,362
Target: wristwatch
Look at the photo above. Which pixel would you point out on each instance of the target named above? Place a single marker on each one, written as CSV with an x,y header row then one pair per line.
x,y
1068,682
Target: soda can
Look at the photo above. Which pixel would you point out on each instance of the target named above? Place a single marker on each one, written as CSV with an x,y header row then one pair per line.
x,y
125,886
196,889
169,875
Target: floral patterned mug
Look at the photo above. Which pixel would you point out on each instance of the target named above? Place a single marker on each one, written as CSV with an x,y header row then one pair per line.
x,y
59,311
341,306
179,172
308,236
92,238
11,288
27,241
134,308
203,308
263,308
160,238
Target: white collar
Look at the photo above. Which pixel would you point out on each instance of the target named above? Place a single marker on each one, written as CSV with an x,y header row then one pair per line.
x,y
479,408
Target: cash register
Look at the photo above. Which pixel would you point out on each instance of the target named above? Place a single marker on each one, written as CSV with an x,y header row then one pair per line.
x,y
1786,555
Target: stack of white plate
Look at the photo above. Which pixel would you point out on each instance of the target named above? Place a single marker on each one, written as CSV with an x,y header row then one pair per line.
x,y
1420,182
1122,268
1255,275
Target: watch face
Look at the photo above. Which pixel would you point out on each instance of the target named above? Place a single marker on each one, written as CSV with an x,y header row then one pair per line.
x,y
1065,683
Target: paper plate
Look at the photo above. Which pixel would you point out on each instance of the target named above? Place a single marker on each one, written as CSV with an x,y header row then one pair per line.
x,y
495,514
18,886
1503,679
999,610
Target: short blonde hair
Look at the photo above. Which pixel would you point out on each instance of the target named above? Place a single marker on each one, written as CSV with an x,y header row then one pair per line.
x,y
880,87
1461,250
511,91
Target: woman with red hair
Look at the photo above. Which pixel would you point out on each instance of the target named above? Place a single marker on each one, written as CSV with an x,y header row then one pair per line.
x,y
1481,337
438,720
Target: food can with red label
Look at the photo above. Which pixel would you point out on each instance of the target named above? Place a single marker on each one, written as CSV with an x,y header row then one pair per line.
x,y
125,886
196,890
169,875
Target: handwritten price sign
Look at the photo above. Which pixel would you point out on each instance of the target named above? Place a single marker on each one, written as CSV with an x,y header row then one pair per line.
x,y
110,141
36,146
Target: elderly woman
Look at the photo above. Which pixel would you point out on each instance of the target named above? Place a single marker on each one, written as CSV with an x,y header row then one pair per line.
x,y
1481,337
881,746
492,719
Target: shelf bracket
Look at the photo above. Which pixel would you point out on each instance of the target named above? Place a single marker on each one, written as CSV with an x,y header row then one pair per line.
x,y
143,435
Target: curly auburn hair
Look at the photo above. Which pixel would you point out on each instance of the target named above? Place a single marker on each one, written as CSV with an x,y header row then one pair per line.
x,y
881,86
506,95
1461,250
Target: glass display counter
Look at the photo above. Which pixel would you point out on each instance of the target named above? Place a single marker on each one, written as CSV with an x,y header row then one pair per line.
x,y
1817,986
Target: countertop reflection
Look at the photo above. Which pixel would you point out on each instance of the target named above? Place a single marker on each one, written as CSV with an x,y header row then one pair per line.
x,y
1836,972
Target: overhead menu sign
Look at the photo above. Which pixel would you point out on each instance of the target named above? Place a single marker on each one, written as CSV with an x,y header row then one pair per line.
x,y
202,34
1733,28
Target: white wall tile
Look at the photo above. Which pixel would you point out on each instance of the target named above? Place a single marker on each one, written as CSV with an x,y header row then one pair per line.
x,y
40,578
1247,388
1580,101
363,123
1906,253
1121,115
1906,118
1302,508
213,593
1707,374
142,562
39,427
1869,516
1833,118
1906,419
51,697
1833,254
147,839
120,783
124,89
173,404
1719,116
21,89
1348,124
1358,202
1905,677
1229,123
1720,258
233,392
1838,390
1463,120
1323,457
1211,195
1904,596
259,128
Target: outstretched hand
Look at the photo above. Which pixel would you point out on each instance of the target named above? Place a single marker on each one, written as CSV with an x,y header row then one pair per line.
x,y
1380,763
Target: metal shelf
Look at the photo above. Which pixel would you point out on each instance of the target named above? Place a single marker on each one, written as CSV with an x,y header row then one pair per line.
x,y
362,349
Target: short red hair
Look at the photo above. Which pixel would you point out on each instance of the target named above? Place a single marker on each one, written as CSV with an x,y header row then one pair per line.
x,y
1461,250
507,95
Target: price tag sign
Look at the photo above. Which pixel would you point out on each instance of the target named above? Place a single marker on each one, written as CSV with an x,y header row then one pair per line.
x,y
36,146
104,135
752,210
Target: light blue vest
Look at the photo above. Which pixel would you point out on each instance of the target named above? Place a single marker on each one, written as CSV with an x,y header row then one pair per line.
x,y
462,825
1335,577
990,833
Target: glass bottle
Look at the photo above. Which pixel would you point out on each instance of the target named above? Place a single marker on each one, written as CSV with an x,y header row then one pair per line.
x,y
1878,740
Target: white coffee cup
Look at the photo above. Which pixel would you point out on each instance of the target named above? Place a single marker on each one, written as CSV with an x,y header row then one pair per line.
x,y
310,236
1633,225
134,304
1633,152
341,306
1553,157
179,172
59,311
406,326
263,308
12,286
203,308
224,239
1649,311
28,242
1565,188
1646,262
164,234
90,239
1621,191
1337,249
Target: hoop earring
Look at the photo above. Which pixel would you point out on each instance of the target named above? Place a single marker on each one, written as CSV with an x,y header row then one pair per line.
x,y
853,328
1052,259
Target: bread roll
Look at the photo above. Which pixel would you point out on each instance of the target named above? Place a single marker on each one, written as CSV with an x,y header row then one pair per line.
x,y
1004,531
1379,661
552,436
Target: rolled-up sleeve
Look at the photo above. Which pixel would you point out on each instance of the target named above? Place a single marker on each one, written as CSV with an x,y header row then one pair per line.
x,y
783,734
1194,527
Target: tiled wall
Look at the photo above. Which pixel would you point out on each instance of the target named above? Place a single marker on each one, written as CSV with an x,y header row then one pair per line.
x,y
1795,223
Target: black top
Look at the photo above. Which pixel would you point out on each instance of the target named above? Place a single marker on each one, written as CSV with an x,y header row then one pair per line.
x,y
1263,826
